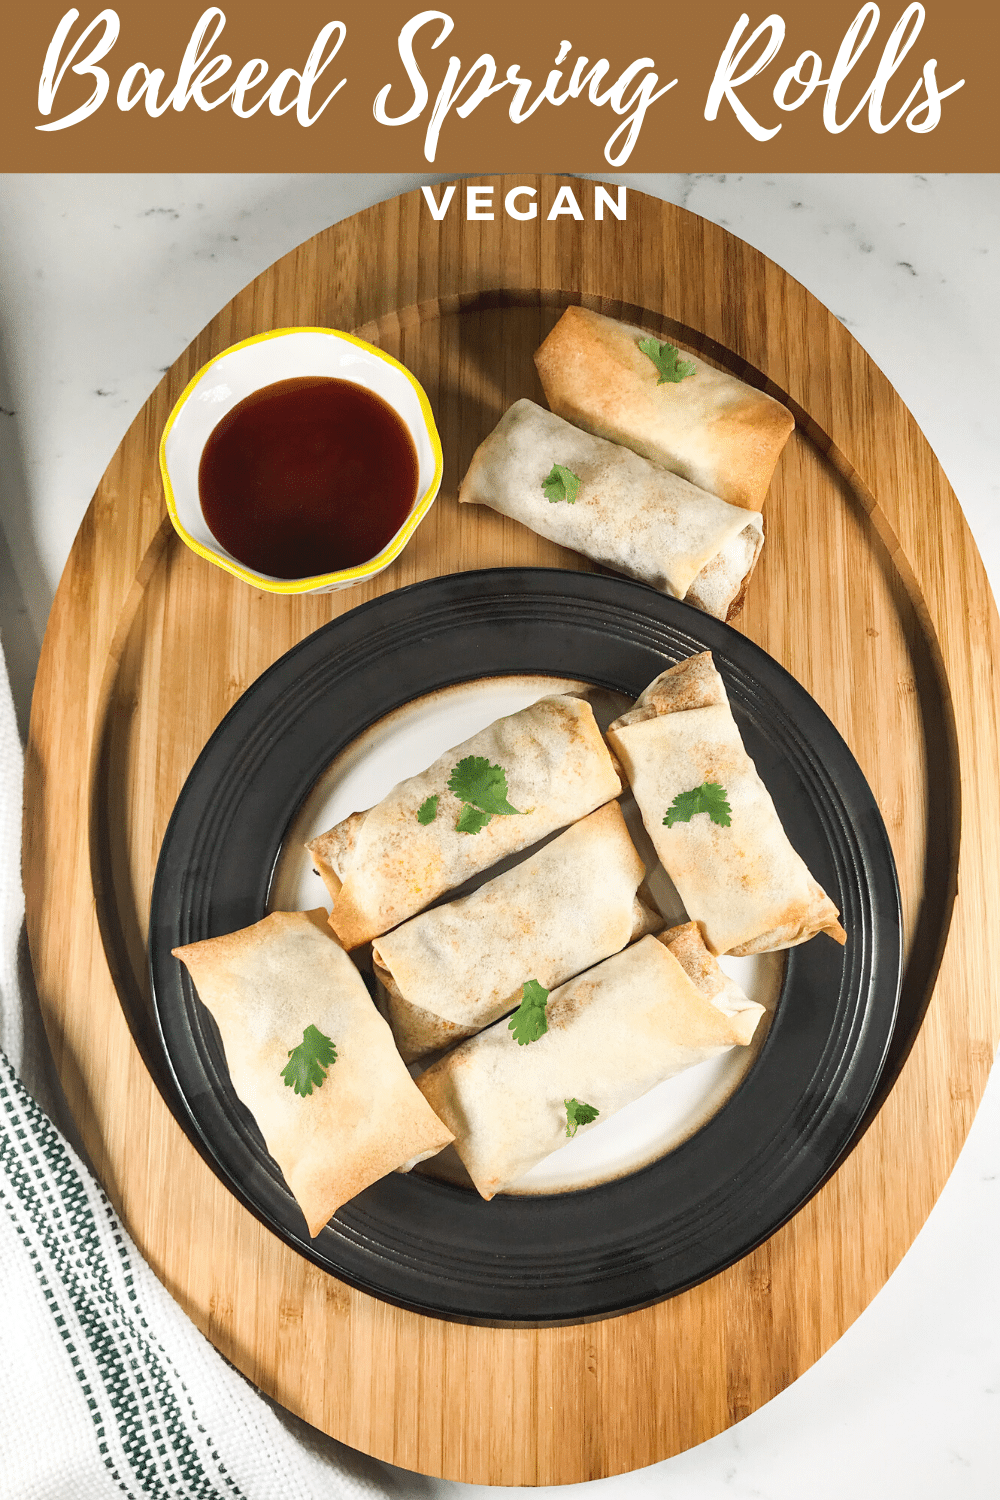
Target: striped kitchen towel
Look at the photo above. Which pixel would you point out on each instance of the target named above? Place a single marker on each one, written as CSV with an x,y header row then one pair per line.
x,y
106,1388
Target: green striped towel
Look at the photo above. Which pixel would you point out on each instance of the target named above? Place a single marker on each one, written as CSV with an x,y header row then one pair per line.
x,y
106,1388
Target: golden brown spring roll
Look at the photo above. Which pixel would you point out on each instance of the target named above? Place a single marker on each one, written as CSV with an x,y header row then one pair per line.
x,y
744,884
719,433
384,865
265,986
613,1033
702,968
458,968
630,514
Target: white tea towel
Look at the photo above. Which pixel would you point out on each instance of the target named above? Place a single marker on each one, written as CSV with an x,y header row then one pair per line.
x,y
106,1388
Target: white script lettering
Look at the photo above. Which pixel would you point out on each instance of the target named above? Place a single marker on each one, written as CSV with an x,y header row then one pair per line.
x,y
50,80
483,73
198,69
728,79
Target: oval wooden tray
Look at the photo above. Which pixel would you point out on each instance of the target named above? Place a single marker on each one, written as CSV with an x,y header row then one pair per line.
x,y
869,591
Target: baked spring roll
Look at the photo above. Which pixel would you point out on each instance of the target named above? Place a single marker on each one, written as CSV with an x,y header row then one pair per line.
x,y
630,514
716,431
284,994
458,968
385,865
613,1033
711,980
740,880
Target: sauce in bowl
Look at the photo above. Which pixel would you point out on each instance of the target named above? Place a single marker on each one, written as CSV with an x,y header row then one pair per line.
x,y
307,476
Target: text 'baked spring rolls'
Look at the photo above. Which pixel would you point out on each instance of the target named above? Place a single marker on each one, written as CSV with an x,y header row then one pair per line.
x,y
715,430
455,969
382,866
312,1059
712,820
612,1034
616,508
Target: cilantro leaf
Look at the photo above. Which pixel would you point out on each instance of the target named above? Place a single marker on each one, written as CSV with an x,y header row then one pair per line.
x,y
471,820
578,1114
428,810
529,1022
665,358
561,484
475,780
709,798
309,1062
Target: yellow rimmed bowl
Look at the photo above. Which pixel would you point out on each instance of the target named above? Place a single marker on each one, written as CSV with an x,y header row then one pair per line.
x,y
285,354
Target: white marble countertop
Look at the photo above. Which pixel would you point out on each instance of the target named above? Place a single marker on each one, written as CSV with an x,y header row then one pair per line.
x,y
103,282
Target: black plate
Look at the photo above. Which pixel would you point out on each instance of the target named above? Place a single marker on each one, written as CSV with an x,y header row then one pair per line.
x,y
566,1257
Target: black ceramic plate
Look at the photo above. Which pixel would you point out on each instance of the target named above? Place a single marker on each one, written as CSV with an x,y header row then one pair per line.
x,y
568,1257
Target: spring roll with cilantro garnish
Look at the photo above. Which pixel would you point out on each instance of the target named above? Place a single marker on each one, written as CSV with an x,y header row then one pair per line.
x,y
512,1096
312,1059
603,500
712,820
501,791
456,969
619,382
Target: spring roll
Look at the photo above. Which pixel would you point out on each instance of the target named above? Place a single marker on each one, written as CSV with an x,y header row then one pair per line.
x,y
629,514
385,865
613,1033
719,433
269,988
458,968
742,882
705,973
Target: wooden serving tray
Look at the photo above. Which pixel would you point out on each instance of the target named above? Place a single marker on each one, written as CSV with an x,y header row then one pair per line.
x,y
869,591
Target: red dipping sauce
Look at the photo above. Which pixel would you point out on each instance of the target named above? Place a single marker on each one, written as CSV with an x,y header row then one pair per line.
x,y
307,476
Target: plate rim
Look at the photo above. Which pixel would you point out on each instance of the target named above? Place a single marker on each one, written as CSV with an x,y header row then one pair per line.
x,y
508,583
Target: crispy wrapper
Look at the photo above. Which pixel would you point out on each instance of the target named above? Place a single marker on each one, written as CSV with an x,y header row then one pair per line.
x,y
613,1033
383,866
713,429
264,986
456,969
745,885
629,514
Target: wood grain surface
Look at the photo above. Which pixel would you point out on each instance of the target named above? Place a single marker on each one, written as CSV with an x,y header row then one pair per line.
x,y
869,591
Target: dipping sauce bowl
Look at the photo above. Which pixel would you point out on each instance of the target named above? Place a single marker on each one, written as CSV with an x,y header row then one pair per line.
x,y
254,372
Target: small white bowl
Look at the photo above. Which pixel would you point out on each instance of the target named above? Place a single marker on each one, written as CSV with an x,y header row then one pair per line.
x,y
284,354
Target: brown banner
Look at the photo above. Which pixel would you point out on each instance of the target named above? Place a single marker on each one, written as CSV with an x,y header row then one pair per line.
x,y
358,85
